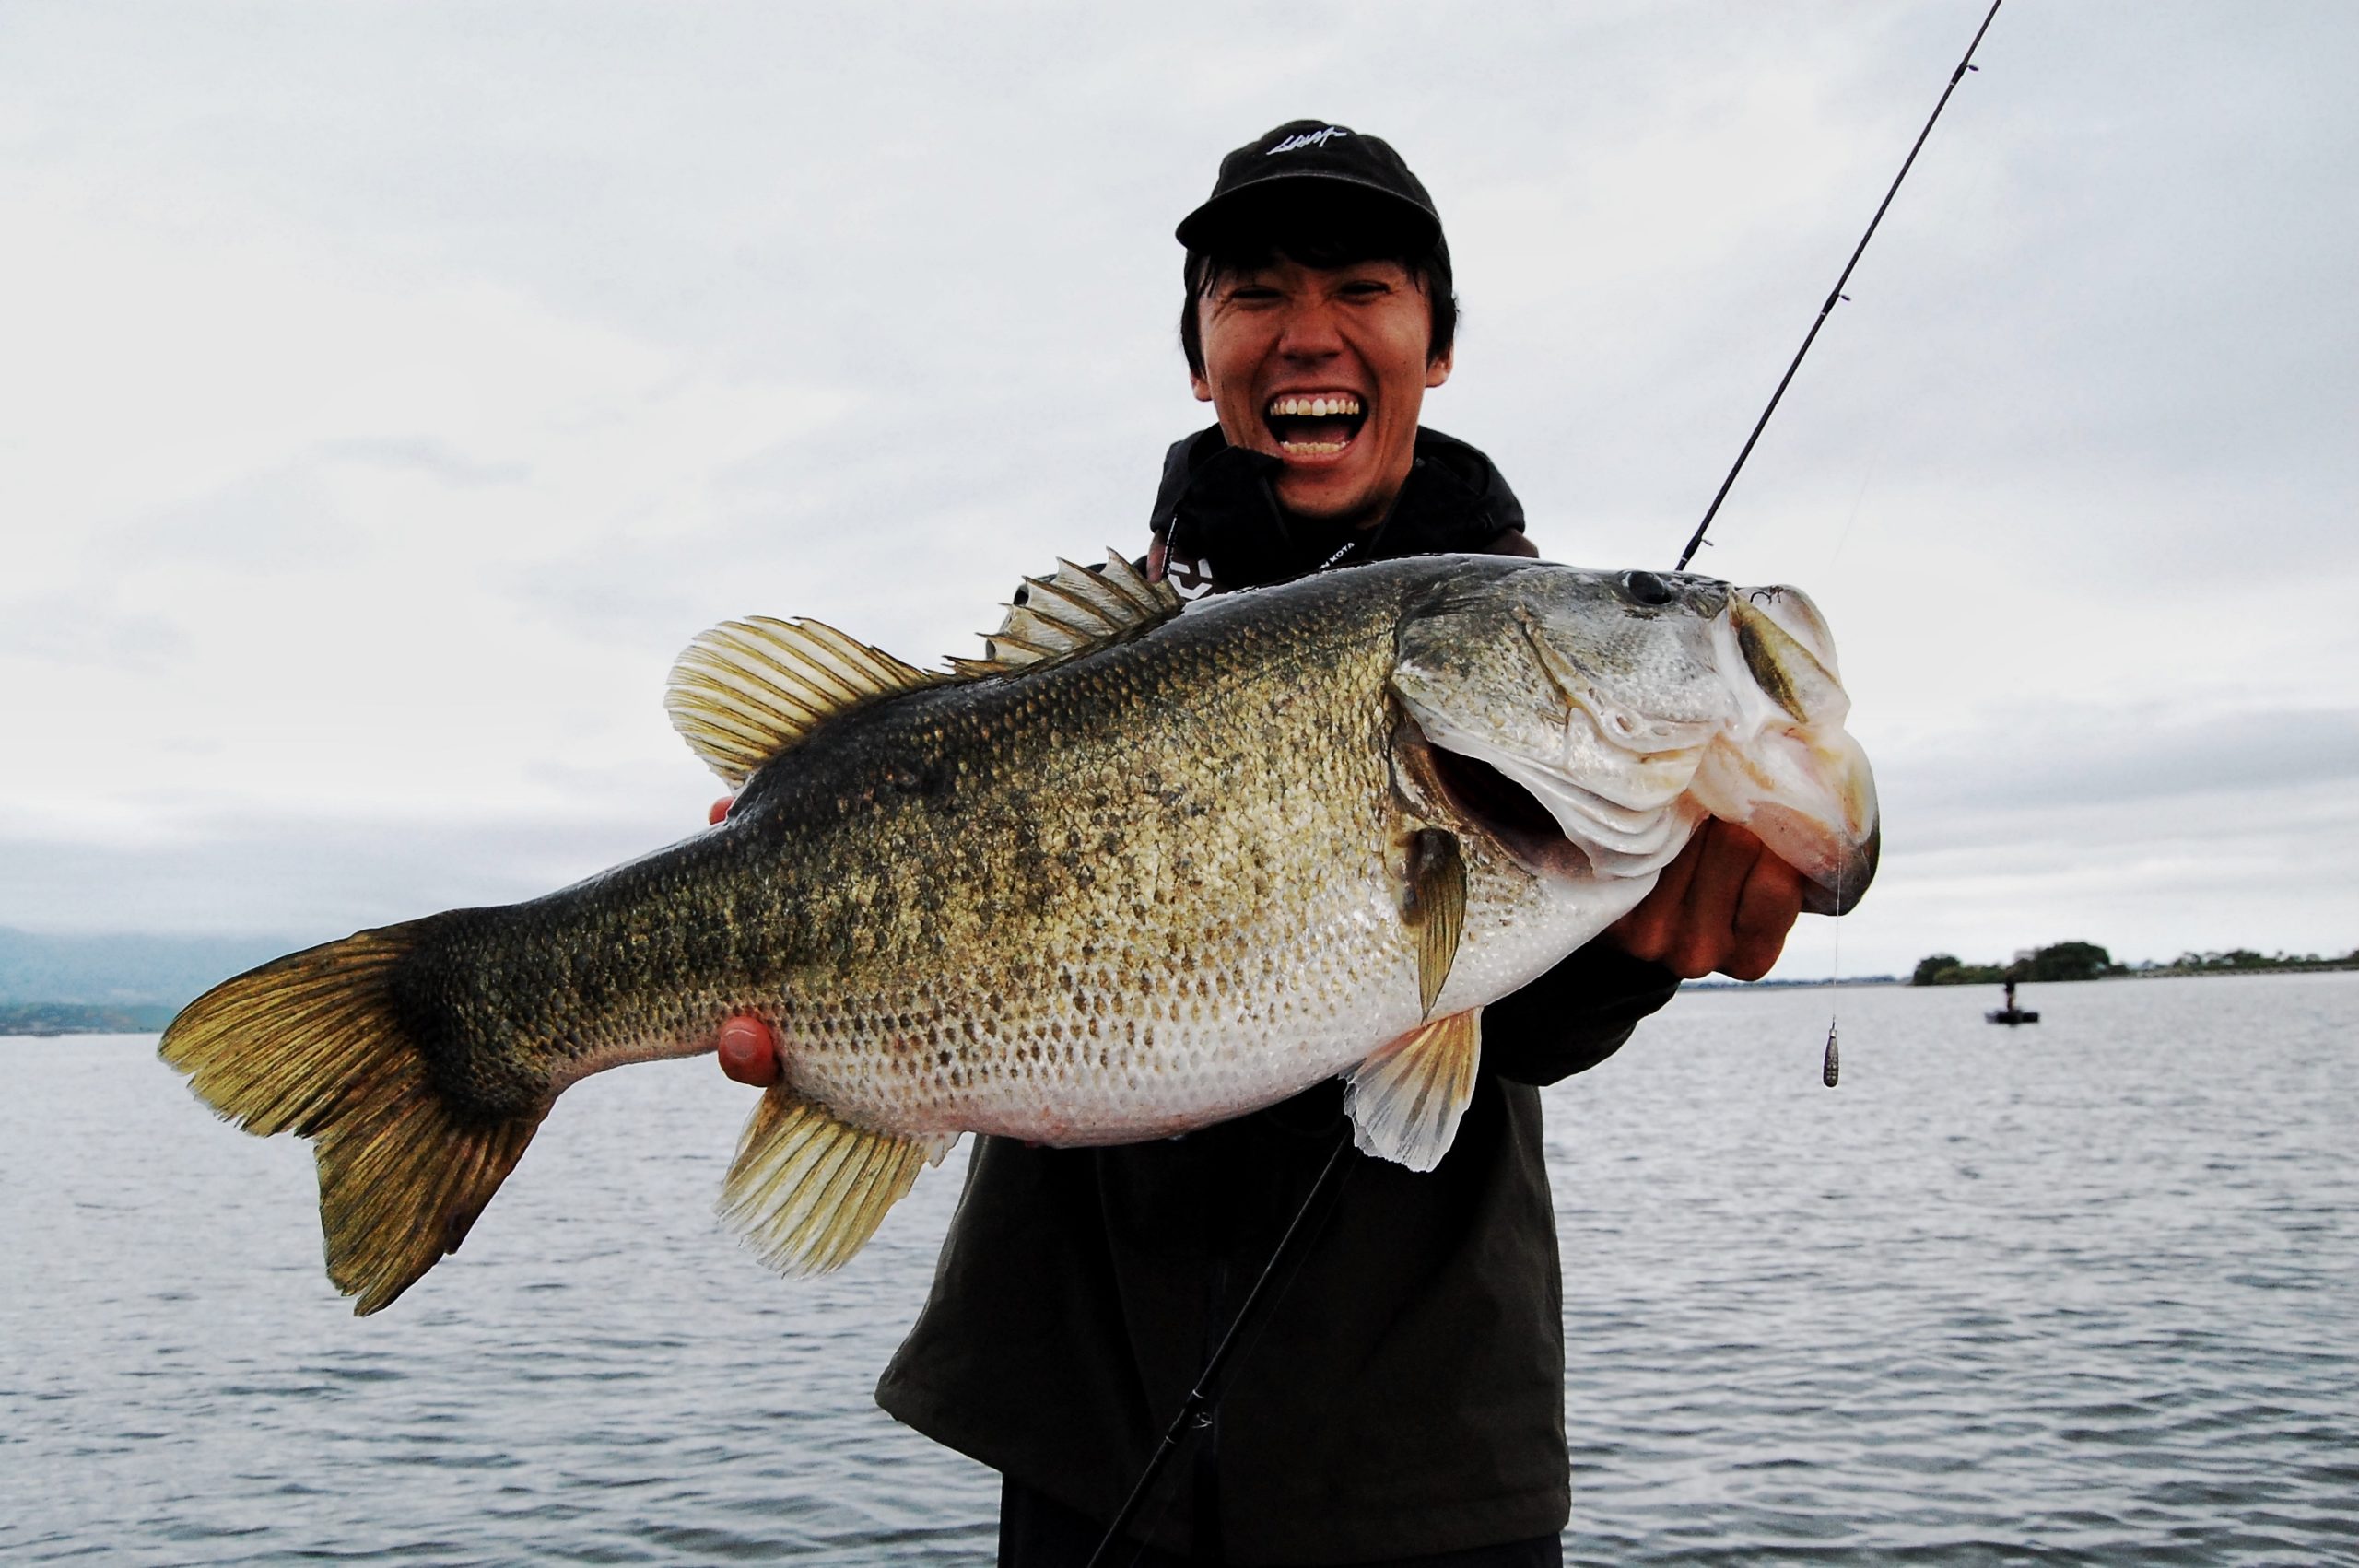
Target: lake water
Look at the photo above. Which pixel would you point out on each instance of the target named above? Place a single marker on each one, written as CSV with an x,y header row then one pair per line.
x,y
2081,1292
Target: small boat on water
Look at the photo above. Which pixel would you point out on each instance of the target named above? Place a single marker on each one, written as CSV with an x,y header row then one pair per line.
x,y
2010,1015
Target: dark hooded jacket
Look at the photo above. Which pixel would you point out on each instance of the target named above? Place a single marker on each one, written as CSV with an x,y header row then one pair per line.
x,y
1217,507
1405,1396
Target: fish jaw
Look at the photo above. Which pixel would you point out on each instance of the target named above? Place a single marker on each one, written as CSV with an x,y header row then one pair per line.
x,y
1589,722
1560,820
1561,715
1783,766
1810,799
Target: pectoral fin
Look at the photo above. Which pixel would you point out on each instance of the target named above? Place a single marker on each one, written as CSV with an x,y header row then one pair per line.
x,y
1406,1101
1433,902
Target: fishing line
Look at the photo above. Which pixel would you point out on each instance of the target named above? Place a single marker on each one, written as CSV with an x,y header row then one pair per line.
x,y
1830,1067
1835,294
1859,496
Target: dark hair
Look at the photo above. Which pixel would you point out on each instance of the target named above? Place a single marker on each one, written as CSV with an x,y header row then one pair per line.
x,y
1321,228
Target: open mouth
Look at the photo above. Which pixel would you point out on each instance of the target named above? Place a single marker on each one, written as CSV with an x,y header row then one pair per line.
x,y
1489,800
1314,423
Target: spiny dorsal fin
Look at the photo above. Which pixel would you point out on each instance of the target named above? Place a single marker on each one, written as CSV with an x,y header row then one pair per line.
x,y
747,690
1405,1100
1074,609
807,1189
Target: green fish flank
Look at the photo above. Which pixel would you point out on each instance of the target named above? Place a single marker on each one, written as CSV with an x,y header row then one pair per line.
x,y
1137,871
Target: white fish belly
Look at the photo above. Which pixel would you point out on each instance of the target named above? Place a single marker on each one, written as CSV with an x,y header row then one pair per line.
x,y
1146,1047
1136,1042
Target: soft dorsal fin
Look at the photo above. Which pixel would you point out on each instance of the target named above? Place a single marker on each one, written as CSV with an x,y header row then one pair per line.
x,y
747,690
1072,609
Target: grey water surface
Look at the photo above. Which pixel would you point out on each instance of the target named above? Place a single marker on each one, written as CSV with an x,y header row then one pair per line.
x,y
2079,1293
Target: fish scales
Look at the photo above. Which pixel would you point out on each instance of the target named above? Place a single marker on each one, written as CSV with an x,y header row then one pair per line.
x,y
1112,899
1107,889
1104,891
1161,878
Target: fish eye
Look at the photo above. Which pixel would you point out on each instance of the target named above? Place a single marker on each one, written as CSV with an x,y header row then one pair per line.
x,y
1646,587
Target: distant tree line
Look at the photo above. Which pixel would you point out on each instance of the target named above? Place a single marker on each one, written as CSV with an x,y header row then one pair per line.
x,y
2240,960
2087,961
2063,961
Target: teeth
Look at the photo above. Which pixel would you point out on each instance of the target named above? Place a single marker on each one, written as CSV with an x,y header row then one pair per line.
x,y
1314,407
1312,449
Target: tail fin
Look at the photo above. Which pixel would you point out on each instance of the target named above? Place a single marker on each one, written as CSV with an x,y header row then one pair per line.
x,y
312,1044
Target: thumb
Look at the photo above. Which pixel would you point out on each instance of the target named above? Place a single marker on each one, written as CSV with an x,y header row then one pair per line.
x,y
748,1050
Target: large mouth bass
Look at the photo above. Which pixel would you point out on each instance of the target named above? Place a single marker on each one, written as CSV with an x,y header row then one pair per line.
x,y
1140,869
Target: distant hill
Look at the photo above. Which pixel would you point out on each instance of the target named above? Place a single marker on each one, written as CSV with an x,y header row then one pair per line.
x,y
123,971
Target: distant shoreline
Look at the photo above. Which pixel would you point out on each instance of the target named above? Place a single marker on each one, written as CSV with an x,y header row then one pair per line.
x,y
53,1020
1719,983
2159,972
48,1020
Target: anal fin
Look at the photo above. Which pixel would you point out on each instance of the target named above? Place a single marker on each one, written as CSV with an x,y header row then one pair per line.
x,y
807,1189
1406,1099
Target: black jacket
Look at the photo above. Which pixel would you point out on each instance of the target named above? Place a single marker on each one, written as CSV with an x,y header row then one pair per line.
x,y
1405,1396
1217,507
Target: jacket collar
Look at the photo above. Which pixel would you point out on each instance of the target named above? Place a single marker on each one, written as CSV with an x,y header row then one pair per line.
x,y
1216,512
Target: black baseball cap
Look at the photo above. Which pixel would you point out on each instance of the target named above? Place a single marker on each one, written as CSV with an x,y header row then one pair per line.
x,y
1335,155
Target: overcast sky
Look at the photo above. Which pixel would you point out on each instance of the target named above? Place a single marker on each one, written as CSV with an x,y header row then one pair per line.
x,y
388,392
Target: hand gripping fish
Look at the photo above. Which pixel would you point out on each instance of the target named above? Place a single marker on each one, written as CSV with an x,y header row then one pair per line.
x,y
1141,868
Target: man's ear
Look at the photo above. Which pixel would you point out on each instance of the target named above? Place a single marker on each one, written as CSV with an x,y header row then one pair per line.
x,y
1200,387
1439,371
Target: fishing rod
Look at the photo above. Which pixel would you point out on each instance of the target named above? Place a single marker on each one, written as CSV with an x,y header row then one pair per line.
x,y
1831,1064
1195,1411
1836,295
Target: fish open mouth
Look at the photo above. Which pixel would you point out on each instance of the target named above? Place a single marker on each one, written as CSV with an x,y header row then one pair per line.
x,y
1314,424
1483,797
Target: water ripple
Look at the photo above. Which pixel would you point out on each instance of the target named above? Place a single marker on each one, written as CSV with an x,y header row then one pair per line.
x,y
2082,1298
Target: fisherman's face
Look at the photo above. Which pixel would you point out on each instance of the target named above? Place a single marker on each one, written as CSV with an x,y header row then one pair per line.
x,y
1325,369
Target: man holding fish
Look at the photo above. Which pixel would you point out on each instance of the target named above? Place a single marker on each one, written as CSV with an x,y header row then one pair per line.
x,y
1403,1402
1319,859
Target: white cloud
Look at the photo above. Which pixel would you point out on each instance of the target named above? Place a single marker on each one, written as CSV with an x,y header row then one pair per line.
x,y
391,392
